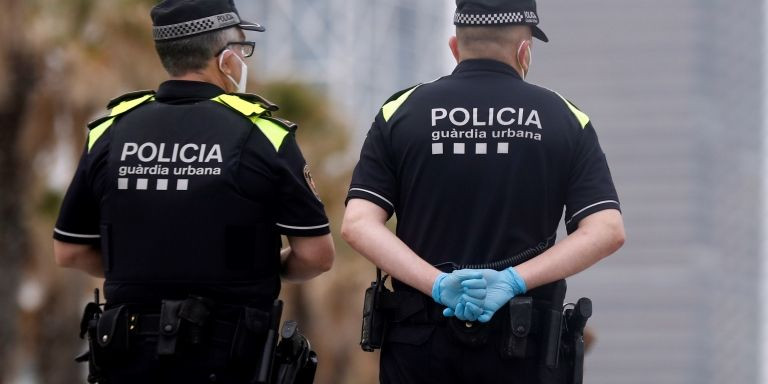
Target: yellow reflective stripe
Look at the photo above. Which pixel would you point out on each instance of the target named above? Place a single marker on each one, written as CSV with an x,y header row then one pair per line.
x,y
390,108
96,133
243,106
274,132
581,116
126,106
121,108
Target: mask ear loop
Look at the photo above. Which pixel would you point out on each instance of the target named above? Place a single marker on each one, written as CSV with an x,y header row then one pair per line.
x,y
221,61
530,58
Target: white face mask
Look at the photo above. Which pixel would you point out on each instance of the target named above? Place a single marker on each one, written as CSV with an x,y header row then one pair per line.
x,y
530,59
243,72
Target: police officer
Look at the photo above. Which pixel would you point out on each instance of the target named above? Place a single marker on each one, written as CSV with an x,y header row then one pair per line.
x,y
479,165
180,199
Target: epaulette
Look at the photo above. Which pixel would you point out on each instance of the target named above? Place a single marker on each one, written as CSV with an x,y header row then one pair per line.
x,y
122,104
129,96
247,104
97,122
290,126
117,107
254,98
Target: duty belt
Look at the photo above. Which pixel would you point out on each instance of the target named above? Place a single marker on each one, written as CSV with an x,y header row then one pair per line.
x,y
217,332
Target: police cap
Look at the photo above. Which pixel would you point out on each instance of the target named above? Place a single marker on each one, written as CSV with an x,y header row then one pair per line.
x,y
498,12
173,19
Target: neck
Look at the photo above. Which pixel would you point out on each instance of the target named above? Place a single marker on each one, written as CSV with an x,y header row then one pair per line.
x,y
506,60
204,76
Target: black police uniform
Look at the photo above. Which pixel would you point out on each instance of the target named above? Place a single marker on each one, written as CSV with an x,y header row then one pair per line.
x,y
187,192
477,166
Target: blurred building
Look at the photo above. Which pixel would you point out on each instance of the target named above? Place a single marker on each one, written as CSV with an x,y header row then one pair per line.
x,y
357,52
675,90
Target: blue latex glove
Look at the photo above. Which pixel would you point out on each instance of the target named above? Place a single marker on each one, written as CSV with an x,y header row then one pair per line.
x,y
502,287
464,288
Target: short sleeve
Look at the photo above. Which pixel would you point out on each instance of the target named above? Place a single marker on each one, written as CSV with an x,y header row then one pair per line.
x,y
79,216
374,176
300,211
590,186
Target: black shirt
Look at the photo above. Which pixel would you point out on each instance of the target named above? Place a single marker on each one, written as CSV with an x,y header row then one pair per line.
x,y
187,195
479,165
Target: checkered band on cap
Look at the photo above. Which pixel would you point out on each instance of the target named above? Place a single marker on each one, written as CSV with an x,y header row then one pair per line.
x,y
194,27
491,19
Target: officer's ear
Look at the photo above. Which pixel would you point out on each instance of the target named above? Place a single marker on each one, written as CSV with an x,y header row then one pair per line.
x,y
453,43
225,62
524,56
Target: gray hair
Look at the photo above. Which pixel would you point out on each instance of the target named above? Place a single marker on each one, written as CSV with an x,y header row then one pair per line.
x,y
189,54
490,39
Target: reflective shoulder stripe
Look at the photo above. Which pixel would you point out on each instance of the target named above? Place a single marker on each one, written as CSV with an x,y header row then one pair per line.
x,y
258,114
126,106
581,116
391,107
274,132
96,133
245,107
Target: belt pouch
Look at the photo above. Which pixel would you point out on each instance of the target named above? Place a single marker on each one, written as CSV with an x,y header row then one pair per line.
x,y
169,327
515,332
109,338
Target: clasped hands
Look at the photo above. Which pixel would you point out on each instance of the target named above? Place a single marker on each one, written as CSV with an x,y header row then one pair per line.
x,y
476,294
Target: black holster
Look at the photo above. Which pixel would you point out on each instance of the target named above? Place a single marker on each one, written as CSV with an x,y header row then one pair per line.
x,y
378,299
88,327
573,339
295,361
182,320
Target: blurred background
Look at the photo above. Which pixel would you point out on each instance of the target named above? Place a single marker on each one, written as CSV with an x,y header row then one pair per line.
x,y
675,89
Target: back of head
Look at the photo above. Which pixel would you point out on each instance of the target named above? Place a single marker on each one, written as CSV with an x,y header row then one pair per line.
x,y
192,54
488,15
491,42
189,33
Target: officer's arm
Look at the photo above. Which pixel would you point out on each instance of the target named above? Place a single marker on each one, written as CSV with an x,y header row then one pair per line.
x,y
84,257
598,235
365,230
307,257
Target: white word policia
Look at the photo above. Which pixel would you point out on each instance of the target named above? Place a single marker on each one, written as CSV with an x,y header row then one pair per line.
x,y
187,153
502,117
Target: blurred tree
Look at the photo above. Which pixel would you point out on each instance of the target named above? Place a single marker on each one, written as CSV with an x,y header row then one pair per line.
x,y
16,60
328,308
60,62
